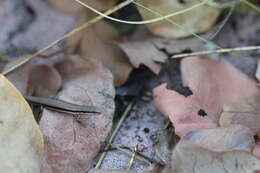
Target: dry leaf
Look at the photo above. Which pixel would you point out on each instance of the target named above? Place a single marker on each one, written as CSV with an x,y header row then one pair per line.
x,y
73,42
178,46
256,151
71,144
144,52
258,71
213,84
67,6
20,77
21,145
182,111
202,19
44,81
166,141
73,7
154,168
100,5
229,138
97,44
189,157
244,111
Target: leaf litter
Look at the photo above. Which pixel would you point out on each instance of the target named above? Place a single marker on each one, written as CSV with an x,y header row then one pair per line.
x,y
216,125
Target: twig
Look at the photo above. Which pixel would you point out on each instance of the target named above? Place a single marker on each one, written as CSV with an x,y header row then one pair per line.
x,y
131,161
145,21
223,23
3,57
112,137
185,29
139,156
80,28
248,3
217,51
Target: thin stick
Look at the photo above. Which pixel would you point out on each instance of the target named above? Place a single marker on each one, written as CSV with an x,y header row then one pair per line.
x,y
145,21
139,157
112,137
217,51
130,164
80,28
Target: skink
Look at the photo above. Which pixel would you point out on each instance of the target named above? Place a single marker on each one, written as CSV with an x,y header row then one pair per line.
x,y
62,106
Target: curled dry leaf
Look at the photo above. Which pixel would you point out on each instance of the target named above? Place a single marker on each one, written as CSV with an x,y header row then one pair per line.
x,y
213,84
21,142
71,145
73,7
188,157
202,19
244,111
43,81
229,138
97,44
144,52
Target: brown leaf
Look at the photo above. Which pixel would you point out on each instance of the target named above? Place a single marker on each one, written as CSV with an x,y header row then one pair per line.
x,y
66,6
20,77
143,52
73,7
73,42
21,142
43,81
202,19
71,145
244,111
154,168
229,138
166,141
110,171
96,44
213,84
189,157
101,35
182,111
